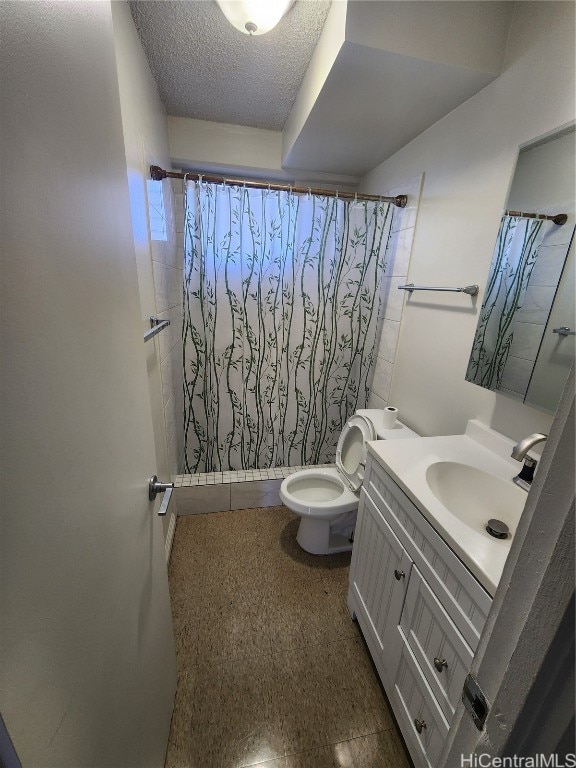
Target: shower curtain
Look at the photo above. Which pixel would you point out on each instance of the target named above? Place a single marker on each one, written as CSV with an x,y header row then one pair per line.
x,y
281,306
514,257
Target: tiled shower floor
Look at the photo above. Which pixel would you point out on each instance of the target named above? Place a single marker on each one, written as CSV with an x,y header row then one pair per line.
x,y
271,670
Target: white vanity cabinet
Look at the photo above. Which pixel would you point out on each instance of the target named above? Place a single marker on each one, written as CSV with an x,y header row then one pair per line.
x,y
421,612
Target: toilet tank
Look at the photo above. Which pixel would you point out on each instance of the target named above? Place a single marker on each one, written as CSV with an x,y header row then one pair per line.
x,y
376,416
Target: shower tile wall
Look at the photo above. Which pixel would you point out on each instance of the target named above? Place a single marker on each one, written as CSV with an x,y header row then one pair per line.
x,y
167,266
398,261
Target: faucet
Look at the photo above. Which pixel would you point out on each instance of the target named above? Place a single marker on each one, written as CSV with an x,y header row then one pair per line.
x,y
526,475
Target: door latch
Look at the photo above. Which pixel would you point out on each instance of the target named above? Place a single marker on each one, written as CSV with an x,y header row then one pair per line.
x,y
475,702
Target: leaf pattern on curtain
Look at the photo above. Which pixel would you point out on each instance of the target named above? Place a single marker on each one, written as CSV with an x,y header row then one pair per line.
x,y
513,260
281,306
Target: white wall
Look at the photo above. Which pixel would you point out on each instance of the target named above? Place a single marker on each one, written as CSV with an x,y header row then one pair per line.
x,y
470,34
544,178
221,145
238,150
159,262
468,160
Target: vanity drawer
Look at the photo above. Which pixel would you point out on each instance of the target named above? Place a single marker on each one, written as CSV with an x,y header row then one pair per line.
x,y
421,721
465,600
440,650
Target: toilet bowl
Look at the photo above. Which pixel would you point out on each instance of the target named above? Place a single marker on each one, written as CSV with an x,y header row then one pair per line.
x,y
326,498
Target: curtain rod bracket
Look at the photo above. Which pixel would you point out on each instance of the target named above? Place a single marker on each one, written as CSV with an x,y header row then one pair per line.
x,y
157,173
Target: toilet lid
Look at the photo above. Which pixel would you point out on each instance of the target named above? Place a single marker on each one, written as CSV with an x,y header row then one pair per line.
x,y
352,450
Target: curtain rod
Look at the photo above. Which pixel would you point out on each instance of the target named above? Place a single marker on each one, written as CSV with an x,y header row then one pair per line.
x,y
560,218
157,174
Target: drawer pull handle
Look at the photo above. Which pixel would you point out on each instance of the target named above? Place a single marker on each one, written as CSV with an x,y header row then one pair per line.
x,y
440,664
399,575
420,725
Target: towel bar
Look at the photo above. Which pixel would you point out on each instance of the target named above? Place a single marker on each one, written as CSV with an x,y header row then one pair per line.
x,y
471,290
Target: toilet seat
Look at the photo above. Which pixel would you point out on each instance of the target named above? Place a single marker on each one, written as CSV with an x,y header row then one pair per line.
x,y
318,492
351,451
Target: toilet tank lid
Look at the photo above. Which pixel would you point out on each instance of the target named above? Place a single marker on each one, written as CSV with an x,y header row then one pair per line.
x,y
400,431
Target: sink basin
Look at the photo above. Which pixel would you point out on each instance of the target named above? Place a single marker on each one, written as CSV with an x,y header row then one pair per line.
x,y
458,483
474,496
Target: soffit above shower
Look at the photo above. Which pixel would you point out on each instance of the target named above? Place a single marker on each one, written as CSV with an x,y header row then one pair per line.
x,y
344,85
395,69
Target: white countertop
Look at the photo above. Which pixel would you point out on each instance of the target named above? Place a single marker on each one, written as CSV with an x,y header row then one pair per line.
x,y
407,462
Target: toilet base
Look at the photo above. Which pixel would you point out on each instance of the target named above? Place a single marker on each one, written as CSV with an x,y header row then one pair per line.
x,y
314,536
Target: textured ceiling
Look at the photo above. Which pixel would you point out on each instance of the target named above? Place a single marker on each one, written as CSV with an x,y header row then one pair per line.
x,y
208,70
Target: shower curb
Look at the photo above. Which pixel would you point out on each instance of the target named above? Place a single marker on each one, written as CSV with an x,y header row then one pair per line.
x,y
225,491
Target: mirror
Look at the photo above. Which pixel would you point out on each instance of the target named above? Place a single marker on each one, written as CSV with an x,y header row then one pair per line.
x,y
524,341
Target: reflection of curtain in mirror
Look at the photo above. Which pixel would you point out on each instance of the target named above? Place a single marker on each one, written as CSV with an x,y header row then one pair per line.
x,y
512,263
281,301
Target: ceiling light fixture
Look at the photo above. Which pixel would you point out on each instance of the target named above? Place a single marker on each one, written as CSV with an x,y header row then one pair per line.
x,y
254,17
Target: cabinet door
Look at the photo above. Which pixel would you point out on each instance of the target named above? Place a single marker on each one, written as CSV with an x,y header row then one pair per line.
x,y
464,599
378,580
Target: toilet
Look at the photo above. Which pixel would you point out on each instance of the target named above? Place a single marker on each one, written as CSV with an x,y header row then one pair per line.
x,y
326,498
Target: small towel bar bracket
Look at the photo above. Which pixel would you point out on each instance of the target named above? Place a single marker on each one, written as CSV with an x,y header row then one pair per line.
x,y
471,290
155,327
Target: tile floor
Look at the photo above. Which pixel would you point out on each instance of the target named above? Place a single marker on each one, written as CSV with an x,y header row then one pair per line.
x,y
272,672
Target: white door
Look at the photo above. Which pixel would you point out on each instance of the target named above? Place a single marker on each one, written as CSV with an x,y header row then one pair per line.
x,y
87,653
